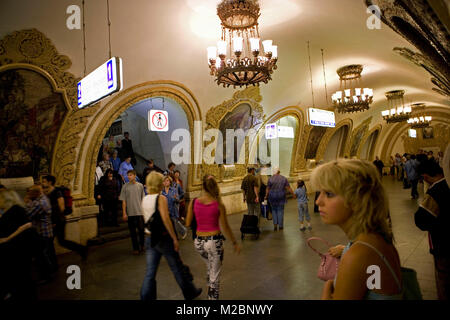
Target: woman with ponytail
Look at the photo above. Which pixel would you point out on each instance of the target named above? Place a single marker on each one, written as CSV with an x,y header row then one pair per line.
x,y
209,211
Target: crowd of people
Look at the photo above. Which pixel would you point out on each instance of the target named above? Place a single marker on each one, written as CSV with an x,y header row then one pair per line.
x,y
349,194
28,228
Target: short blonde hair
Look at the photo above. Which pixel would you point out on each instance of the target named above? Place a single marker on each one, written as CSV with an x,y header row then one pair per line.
x,y
10,198
358,182
154,182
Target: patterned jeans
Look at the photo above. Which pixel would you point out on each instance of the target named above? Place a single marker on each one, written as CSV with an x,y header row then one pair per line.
x,y
211,251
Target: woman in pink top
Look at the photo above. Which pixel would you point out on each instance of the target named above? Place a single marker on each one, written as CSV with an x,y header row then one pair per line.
x,y
209,211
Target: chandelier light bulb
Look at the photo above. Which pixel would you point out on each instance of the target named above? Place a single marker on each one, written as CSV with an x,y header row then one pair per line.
x,y
222,48
212,53
407,109
358,92
275,52
428,118
392,111
267,44
218,63
254,44
237,44
399,110
347,93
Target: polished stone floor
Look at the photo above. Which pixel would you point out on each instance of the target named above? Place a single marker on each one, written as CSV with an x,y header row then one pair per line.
x,y
279,265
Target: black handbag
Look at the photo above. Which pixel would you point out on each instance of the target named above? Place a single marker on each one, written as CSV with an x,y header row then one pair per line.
x,y
156,226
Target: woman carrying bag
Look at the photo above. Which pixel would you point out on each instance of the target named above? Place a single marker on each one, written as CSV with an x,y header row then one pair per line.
x,y
161,240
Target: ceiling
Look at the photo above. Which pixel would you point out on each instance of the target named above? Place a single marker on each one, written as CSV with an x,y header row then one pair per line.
x,y
167,40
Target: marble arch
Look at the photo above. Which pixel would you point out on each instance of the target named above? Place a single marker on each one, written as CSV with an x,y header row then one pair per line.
x,y
106,115
372,148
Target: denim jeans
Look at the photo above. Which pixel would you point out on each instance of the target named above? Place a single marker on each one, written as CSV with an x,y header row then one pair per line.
x,y
153,256
278,214
303,212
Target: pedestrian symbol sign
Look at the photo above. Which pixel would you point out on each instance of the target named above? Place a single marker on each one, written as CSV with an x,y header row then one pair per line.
x,y
158,120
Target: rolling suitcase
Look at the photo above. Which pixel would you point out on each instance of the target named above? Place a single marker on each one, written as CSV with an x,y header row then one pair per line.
x,y
249,226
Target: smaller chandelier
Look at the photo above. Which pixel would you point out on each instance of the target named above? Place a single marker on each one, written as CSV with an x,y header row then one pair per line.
x,y
351,97
240,37
420,122
396,112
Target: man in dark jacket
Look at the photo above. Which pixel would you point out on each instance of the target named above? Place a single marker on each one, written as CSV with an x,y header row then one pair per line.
x,y
127,148
149,168
433,216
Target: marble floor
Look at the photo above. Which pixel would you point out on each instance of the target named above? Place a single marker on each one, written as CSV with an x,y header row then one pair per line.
x,y
279,265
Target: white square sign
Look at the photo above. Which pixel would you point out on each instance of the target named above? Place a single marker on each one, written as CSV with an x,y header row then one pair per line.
x,y
158,120
271,131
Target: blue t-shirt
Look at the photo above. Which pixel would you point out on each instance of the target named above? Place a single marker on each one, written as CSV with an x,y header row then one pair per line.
x,y
302,197
124,168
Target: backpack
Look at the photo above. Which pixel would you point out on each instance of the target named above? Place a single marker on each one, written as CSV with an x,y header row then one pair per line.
x,y
67,199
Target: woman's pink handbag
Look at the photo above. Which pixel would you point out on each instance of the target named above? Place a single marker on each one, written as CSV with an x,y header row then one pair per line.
x,y
328,264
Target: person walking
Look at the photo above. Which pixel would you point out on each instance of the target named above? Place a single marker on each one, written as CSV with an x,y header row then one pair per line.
x,y
131,196
162,241
302,203
210,218
59,219
353,198
433,216
125,166
173,199
16,237
109,196
411,167
250,189
39,211
127,148
379,165
277,187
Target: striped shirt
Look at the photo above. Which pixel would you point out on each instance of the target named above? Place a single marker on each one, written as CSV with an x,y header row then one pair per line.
x,y
40,213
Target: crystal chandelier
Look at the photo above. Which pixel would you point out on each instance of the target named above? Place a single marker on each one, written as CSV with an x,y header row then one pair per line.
x,y
240,38
351,97
396,111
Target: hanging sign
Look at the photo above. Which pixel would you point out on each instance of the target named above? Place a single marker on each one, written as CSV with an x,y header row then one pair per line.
x,y
101,82
321,118
271,131
158,120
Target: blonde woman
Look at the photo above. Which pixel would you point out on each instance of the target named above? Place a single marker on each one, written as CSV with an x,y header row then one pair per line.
x,y
210,215
353,198
162,242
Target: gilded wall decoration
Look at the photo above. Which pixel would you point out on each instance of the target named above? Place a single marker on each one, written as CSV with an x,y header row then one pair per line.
x,y
330,133
243,111
441,138
357,136
30,49
301,160
315,136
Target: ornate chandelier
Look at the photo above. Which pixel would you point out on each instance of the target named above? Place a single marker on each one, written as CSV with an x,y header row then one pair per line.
x,y
420,122
396,111
240,37
351,97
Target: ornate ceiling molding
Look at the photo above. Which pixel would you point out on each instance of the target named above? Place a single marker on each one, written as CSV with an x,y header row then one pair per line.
x,y
416,21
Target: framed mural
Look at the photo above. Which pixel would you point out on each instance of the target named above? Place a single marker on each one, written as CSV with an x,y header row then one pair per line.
x,y
31,114
241,117
428,133
315,136
357,139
